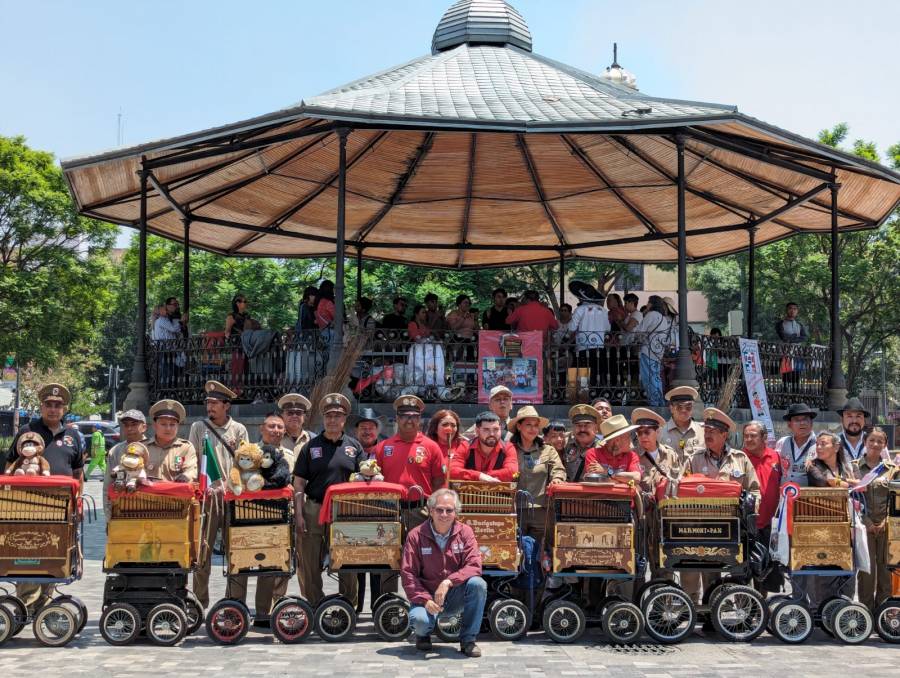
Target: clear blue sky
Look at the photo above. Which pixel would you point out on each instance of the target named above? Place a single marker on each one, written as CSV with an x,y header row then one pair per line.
x,y
68,67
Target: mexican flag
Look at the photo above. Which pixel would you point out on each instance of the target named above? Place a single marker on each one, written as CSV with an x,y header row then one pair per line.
x,y
209,466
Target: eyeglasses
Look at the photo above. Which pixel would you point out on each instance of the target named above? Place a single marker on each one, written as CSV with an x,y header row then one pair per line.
x,y
444,511
295,413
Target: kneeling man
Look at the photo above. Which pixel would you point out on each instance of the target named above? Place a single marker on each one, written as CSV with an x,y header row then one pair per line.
x,y
441,572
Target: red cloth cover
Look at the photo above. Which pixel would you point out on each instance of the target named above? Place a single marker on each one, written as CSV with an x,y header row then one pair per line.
x,y
42,481
389,489
279,493
612,490
160,488
689,487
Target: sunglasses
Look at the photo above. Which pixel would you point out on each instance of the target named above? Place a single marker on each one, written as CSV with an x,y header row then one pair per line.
x,y
295,413
444,511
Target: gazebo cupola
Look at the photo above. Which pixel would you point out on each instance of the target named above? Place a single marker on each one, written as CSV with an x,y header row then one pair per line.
x,y
481,22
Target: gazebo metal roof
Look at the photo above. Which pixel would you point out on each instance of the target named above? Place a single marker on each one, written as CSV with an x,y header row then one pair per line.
x,y
485,154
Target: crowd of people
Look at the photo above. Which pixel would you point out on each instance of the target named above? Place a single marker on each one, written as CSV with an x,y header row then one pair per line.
x,y
441,563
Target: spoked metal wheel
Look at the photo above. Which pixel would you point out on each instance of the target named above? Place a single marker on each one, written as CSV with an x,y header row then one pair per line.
x,y
449,627
669,615
564,621
791,622
391,619
827,609
772,603
6,624
17,612
509,619
78,607
167,624
740,614
622,622
194,611
55,625
120,624
292,620
228,622
853,623
335,620
887,620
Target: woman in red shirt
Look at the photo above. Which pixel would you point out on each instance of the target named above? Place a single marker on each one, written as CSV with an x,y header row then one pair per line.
x,y
443,428
418,328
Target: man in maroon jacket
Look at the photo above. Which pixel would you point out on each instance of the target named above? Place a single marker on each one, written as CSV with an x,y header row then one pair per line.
x,y
441,572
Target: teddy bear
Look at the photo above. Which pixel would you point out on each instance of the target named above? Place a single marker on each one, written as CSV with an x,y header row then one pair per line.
x,y
274,468
245,473
30,462
131,469
368,471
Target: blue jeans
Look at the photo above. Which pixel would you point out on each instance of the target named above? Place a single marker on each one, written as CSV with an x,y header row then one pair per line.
x,y
651,378
469,598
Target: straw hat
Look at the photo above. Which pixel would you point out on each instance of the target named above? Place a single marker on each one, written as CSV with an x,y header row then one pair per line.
x,y
527,412
615,426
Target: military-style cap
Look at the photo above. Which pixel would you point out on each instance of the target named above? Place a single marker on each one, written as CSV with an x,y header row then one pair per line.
x,y
29,437
641,416
136,415
335,402
217,391
681,393
500,390
168,408
718,419
54,392
409,404
583,413
294,401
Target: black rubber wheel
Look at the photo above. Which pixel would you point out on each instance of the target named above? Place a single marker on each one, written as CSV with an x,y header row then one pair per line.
x,y
509,619
227,622
17,611
826,611
166,624
55,625
564,621
669,615
335,620
292,620
194,612
853,623
449,627
887,620
791,622
120,624
622,622
391,620
7,624
77,606
739,614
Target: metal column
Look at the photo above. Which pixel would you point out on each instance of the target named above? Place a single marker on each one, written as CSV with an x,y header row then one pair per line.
x,y
359,263
837,387
186,265
562,277
751,283
685,374
138,391
338,338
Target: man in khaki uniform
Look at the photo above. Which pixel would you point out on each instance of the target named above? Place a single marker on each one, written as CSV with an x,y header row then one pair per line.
x,y
271,589
293,408
719,461
681,432
224,433
585,420
658,462
171,458
328,458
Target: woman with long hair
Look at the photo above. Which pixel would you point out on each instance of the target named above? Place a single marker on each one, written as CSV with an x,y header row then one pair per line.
x,y
830,467
443,428
324,306
235,323
875,585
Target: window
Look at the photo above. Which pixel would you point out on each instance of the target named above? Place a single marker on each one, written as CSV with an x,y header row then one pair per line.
x,y
630,278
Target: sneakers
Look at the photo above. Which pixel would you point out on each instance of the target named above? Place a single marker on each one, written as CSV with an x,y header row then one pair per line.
x,y
423,643
470,649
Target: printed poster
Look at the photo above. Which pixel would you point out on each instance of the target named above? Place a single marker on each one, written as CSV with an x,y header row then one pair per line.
x,y
511,360
756,385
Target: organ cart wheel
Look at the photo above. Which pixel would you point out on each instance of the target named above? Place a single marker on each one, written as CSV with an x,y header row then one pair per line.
x,y
853,623
335,620
228,622
55,625
827,609
292,620
772,603
564,621
791,622
17,612
167,624
449,627
120,624
7,624
887,620
669,615
194,612
509,619
622,622
739,613
391,619
77,606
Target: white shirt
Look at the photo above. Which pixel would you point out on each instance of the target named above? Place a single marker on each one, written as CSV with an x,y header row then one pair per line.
x,y
165,328
590,322
854,452
628,336
653,333
794,457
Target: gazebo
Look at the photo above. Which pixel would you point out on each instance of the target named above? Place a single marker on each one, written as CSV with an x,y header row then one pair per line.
x,y
485,154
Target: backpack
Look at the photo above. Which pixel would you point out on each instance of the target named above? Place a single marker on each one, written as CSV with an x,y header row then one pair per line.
x,y
531,574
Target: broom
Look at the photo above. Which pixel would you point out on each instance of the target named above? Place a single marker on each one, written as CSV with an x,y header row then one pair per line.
x,y
726,396
339,377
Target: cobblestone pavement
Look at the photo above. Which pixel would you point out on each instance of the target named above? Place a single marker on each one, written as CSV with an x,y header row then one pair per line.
x,y
367,655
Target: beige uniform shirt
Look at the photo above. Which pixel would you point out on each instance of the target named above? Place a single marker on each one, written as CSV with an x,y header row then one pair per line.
x,y
667,460
178,458
295,444
733,465
537,469
685,443
233,433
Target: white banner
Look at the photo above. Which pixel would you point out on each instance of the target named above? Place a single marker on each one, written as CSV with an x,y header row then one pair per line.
x,y
756,385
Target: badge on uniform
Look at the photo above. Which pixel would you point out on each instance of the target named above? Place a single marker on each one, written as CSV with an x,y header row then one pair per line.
x,y
457,547
388,451
737,473
67,440
59,443
179,462
420,454
315,452
350,451
426,550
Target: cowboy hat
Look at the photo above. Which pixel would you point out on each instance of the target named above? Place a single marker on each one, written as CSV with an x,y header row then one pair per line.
x,y
527,412
854,405
366,414
615,426
799,410
585,292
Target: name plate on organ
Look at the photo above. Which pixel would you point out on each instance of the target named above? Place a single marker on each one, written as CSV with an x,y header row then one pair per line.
x,y
588,536
700,531
491,528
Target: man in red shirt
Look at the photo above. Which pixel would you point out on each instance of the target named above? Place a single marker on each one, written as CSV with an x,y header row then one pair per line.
x,y
487,457
615,459
767,464
409,458
532,315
